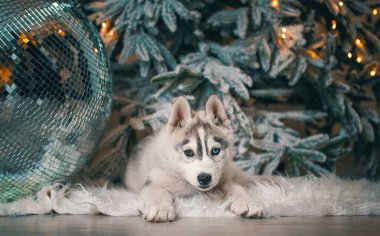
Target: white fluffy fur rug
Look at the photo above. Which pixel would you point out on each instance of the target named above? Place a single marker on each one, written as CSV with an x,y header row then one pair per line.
x,y
305,196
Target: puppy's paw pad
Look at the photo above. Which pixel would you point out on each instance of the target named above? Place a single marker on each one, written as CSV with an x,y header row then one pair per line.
x,y
159,212
246,209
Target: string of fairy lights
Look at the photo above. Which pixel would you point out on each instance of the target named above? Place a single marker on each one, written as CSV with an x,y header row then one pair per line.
x,y
359,58
360,44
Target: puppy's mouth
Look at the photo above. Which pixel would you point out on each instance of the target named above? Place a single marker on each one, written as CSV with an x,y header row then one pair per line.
x,y
204,188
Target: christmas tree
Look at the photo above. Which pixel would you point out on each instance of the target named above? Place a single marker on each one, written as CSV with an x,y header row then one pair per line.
x,y
299,78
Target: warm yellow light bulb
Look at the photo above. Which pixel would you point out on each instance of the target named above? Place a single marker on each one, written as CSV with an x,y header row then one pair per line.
x,y
349,55
341,4
359,59
333,24
374,12
358,42
312,54
372,73
95,50
104,24
61,32
275,3
283,30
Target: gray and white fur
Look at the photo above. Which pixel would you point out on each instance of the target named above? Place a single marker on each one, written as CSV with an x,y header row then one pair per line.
x,y
191,154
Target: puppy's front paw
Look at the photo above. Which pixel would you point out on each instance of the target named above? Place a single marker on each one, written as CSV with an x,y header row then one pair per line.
x,y
159,212
246,208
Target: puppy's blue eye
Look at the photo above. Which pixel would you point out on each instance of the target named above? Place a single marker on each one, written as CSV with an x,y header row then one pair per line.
x,y
189,153
215,151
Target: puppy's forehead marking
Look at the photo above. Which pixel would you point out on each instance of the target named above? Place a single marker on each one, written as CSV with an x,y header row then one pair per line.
x,y
199,146
193,129
202,143
200,135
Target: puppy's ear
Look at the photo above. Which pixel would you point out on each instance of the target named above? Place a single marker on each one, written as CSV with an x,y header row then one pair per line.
x,y
216,113
180,114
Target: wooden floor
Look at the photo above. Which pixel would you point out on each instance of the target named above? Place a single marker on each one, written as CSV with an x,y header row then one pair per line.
x,y
103,225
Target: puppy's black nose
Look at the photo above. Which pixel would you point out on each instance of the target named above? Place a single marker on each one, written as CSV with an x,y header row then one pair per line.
x,y
204,179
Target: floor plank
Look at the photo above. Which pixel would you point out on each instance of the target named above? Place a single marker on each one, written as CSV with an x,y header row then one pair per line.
x,y
103,225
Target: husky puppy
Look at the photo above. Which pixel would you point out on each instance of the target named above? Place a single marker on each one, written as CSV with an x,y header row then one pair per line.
x,y
191,154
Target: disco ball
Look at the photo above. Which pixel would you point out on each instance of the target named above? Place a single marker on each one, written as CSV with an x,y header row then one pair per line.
x,y
55,94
